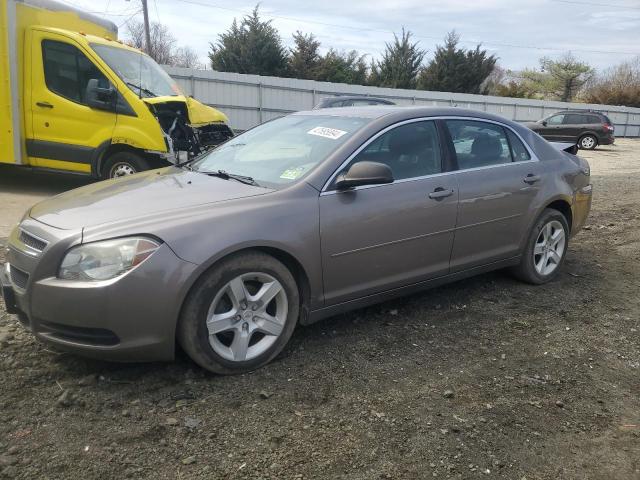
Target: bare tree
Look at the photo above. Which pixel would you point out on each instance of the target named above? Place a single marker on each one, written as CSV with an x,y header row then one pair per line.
x,y
162,41
186,57
619,85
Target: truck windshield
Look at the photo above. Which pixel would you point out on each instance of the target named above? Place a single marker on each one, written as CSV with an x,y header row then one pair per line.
x,y
281,151
138,71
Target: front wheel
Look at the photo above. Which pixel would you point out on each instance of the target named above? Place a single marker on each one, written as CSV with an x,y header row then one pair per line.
x,y
545,250
588,142
121,164
240,314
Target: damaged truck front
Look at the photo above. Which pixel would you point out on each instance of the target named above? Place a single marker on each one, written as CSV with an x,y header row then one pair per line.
x,y
76,99
187,127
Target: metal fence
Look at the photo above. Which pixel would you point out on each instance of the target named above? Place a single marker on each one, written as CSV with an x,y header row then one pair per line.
x,y
249,100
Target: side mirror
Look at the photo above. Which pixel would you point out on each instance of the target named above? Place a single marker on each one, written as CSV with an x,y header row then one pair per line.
x,y
544,123
364,173
100,98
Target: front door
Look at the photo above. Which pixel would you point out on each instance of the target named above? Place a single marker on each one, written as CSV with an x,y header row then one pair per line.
x,y
554,130
62,131
498,181
379,237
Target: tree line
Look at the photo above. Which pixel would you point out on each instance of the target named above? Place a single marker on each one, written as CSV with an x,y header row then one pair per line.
x,y
252,45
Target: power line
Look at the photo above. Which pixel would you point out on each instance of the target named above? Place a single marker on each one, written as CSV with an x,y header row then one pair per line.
x,y
369,29
573,2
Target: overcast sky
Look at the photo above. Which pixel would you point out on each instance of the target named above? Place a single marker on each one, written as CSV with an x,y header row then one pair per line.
x,y
519,32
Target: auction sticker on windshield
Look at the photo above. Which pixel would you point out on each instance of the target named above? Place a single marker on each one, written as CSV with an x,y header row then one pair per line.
x,y
326,132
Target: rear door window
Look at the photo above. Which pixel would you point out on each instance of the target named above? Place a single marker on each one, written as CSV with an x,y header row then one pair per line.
x,y
518,150
575,119
479,144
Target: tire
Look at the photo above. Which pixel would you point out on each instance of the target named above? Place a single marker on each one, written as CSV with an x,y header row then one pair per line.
x,y
121,164
588,142
538,265
237,341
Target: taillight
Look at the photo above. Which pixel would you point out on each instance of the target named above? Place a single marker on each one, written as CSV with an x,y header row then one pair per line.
x,y
607,127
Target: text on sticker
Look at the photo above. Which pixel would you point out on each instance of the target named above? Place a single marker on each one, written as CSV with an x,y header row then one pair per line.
x,y
326,132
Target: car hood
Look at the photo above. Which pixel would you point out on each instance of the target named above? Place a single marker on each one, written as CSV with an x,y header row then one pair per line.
x,y
138,196
531,125
198,113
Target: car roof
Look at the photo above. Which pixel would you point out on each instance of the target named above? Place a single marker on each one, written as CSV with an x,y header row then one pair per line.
x,y
592,112
402,112
355,97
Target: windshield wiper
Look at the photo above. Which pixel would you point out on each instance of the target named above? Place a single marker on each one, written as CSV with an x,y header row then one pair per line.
x,y
231,176
142,89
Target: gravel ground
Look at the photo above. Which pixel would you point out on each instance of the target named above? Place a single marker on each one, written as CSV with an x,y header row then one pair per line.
x,y
485,378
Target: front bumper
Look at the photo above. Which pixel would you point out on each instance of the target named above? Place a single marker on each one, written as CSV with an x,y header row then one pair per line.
x,y
131,318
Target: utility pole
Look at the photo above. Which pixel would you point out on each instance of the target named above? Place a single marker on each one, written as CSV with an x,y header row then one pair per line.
x,y
147,35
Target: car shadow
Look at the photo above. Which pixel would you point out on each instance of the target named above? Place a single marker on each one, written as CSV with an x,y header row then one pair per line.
x,y
15,179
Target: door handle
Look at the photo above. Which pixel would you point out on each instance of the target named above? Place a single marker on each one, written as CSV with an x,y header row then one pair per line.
x,y
44,104
440,193
531,179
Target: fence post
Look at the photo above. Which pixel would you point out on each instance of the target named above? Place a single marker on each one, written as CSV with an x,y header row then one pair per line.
x,y
626,125
313,98
193,85
260,102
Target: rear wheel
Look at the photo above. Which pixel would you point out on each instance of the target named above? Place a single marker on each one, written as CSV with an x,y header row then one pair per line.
x,y
240,315
588,142
545,250
121,164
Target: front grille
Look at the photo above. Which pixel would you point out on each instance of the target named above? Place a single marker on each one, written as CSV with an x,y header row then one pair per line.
x,y
18,277
31,241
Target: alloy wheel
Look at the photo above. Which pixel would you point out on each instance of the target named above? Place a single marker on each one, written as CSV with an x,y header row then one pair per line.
x,y
247,316
588,142
549,248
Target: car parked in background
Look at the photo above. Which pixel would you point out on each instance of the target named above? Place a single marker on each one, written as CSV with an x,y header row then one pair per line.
x,y
586,128
295,220
354,101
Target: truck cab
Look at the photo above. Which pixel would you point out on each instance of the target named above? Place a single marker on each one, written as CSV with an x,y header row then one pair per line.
x,y
82,101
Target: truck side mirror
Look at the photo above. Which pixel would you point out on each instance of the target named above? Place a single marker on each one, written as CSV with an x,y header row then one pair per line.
x,y
100,98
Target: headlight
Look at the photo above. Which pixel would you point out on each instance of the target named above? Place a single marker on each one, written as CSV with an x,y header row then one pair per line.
x,y
107,259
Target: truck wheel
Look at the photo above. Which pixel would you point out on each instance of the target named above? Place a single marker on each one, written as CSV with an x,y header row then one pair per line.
x,y
121,164
240,314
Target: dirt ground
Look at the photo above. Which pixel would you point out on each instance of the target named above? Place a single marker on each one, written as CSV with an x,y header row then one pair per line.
x,y
485,378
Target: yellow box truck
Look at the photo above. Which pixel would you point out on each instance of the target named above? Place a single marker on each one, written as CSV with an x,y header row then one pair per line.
x,y
74,98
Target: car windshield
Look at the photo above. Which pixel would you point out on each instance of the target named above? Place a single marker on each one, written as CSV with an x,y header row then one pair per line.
x,y
283,150
138,71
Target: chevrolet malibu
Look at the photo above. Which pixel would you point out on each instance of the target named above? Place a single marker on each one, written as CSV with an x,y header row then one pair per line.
x,y
298,219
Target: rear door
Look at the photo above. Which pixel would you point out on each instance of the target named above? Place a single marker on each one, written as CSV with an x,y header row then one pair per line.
x,y
62,131
575,124
498,180
375,238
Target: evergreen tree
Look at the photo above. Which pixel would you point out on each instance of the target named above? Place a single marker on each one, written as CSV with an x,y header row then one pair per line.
x,y
558,79
400,64
305,58
341,67
454,69
252,46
